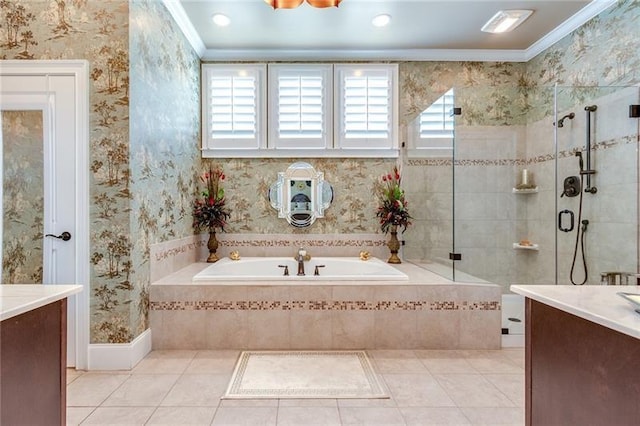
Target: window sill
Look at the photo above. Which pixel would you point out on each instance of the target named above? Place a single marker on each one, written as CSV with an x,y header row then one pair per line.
x,y
301,153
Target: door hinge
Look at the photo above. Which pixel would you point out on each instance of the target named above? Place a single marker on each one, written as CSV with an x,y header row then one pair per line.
x,y
455,256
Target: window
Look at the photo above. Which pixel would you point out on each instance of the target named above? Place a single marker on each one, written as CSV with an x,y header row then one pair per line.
x,y
436,124
233,101
300,106
299,110
366,111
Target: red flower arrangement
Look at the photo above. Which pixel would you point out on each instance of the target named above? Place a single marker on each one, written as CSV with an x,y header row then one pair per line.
x,y
393,207
210,212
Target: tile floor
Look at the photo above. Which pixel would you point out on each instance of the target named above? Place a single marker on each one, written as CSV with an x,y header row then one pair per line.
x,y
427,387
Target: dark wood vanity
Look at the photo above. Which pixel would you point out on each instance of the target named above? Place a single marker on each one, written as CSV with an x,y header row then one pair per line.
x,y
33,354
582,355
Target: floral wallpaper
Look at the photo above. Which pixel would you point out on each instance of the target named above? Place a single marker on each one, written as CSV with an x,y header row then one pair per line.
x,y
489,93
144,142
352,210
603,52
98,32
22,196
165,139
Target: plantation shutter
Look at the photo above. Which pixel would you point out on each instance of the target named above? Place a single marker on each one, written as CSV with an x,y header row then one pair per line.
x,y
437,120
367,107
232,107
300,106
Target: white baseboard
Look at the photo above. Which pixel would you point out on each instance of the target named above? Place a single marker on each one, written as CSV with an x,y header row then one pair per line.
x,y
119,356
513,340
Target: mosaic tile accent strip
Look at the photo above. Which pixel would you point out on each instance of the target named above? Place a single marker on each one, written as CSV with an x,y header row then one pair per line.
x,y
175,251
303,242
600,146
324,305
327,374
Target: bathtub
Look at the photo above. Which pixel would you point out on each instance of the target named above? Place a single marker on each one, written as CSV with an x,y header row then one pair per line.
x,y
272,269
352,304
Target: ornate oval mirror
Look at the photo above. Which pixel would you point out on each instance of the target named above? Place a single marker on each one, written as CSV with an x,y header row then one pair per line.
x,y
300,194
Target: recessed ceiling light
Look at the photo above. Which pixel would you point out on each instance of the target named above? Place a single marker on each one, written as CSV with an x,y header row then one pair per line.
x,y
506,20
381,20
221,20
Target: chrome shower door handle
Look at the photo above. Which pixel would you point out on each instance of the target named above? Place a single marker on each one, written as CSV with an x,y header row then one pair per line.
x,y
65,236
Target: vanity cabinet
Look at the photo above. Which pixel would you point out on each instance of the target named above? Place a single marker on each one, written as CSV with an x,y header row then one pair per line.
x,y
33,354
581,356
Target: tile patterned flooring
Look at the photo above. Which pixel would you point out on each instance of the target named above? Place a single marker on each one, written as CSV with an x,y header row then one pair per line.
x,y
427,387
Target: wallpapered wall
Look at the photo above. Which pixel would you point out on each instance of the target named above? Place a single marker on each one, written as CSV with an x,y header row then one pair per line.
x,y
165,128
98,32
143,175
22,196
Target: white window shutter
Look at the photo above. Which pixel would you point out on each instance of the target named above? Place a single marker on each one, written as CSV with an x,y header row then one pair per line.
x,y
367,106
300,101
233,104
436,124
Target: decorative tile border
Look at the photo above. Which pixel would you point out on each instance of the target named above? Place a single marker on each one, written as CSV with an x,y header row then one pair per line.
x,y
324,305
600,146
295,242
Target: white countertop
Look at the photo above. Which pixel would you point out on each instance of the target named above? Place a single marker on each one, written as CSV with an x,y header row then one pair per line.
x,y
16,299
598,304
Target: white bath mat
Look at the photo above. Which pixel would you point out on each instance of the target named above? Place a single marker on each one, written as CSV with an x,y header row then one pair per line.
x,y
304,374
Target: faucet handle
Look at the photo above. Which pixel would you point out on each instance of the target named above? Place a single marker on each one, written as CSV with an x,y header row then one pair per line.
x,y
316,271
286,269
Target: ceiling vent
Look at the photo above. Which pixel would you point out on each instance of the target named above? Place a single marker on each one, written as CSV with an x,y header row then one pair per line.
x,y
506,20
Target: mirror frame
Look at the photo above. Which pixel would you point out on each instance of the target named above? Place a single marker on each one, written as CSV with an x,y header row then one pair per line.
x,y
313,194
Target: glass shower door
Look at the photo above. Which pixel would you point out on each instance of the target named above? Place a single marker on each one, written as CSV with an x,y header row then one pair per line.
x,y
489,144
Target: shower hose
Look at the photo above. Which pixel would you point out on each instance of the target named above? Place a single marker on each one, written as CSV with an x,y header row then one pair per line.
x,y
579,238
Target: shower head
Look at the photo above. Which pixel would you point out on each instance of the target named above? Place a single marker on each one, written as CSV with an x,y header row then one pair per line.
x,y
561,121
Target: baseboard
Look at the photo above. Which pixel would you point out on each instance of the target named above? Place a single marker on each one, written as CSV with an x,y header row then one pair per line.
x,y
119,356
513,340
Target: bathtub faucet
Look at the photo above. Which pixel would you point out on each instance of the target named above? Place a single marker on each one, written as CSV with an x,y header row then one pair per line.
x,y
302,255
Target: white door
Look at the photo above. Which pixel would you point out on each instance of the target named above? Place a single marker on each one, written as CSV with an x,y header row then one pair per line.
x,y
42,239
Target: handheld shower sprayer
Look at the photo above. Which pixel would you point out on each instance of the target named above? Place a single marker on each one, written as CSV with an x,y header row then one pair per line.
x,y
579,155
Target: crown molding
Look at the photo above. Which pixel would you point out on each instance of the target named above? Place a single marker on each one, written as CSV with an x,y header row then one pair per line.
x,y
184,23
212,55
588,12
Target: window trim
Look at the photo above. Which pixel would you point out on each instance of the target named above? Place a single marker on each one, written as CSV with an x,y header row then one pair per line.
x,y
264,147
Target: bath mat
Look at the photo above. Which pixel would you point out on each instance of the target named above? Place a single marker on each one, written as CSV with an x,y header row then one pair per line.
x,y
304,374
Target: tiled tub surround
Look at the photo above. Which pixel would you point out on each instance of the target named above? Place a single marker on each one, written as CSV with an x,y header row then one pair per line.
x,y
425,312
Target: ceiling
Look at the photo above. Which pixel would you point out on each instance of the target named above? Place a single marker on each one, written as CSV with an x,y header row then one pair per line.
x,y
419,29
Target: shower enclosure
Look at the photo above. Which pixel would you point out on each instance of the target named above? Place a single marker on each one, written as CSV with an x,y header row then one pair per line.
x,y
511,195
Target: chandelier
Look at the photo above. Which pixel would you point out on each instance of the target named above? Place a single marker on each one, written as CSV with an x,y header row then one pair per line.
x,y
290,4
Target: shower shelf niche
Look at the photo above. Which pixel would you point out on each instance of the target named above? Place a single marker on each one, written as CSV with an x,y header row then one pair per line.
x,y
518,246
525,190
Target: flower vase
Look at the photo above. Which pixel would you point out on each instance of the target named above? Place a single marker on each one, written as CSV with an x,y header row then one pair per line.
x,y
212,245
394,246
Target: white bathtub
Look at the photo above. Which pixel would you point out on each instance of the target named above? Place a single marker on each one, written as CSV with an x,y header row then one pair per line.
x,y
268,269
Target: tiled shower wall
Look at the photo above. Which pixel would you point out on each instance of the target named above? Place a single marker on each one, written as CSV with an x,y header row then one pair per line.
x,y
611,237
